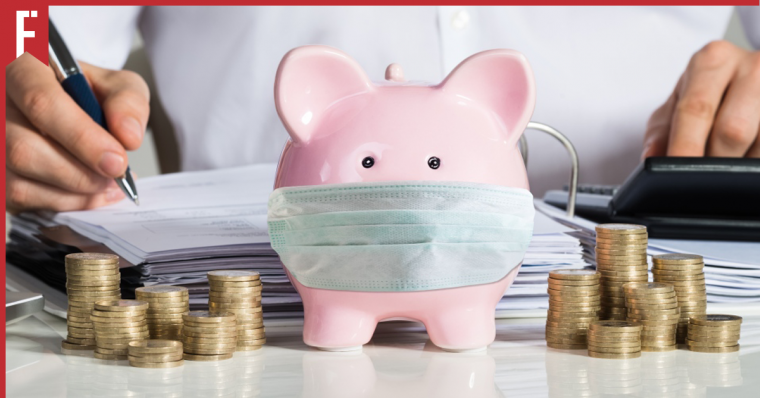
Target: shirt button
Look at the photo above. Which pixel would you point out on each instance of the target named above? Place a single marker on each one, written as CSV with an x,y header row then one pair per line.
x,y
460,20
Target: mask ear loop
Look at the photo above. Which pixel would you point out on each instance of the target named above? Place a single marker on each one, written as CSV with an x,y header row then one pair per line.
x,y
573,188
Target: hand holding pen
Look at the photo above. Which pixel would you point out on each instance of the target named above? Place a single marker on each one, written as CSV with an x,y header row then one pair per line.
x,y
59,158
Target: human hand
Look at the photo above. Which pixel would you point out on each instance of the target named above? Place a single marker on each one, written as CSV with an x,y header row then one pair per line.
x,y
57,157
714,109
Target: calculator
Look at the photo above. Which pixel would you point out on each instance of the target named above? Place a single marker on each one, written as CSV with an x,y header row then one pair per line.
x,y
679,198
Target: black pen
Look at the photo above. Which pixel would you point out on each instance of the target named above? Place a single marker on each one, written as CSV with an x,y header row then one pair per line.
x,y
72,79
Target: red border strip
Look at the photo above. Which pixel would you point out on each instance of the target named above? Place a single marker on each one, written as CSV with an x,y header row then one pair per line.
x,y
39,43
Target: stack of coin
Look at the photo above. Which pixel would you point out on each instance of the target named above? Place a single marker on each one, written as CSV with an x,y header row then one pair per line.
x,y
614,340
209,336
573,304
686,273
155,354
167,304
655,308
714,333
90,277
621,257
117,323
239,292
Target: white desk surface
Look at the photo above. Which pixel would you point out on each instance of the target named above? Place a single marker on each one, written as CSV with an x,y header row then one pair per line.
x,y
399,362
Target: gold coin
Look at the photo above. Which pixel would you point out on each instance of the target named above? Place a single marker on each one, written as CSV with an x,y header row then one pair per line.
x,y
247,342
618,228
605,355
222,284
165,301
80,341
228,334
117,322
243,335
562,282
204,347
156,358
209,352
614,326
117,314
209,317
254,305
172,364
233,275
680,267
214,325
566,346
91,259
614,350
107,351
207,331
603,245
106,330
712,343
677,258
713,331
110,357
209,340
567,324
574,274
649,288
715,320
714,349
72,346
660,272
93,296
166,316
127,306
192,357
162,291
147,347
602,339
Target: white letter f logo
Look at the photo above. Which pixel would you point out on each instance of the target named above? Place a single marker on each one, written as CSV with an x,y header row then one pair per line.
x,y
21,34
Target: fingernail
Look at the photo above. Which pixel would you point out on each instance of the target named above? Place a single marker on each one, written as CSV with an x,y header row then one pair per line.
x,y
114,195
112,164
134,128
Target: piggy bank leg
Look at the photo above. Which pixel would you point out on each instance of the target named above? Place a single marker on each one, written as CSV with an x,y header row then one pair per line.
x,y
462,330
337,328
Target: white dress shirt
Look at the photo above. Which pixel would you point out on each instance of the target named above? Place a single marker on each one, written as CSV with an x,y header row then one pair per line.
x,y
600,71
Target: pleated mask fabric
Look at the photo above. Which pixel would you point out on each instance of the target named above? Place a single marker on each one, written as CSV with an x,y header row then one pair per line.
x,y
400,236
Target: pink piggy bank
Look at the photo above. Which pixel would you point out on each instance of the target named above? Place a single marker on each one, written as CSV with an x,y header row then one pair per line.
x,y
464,129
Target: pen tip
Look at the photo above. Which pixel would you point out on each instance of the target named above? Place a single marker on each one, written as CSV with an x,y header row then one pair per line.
x,y
137,201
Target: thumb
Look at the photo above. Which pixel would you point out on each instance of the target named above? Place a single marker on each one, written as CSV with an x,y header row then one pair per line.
x,y
125,99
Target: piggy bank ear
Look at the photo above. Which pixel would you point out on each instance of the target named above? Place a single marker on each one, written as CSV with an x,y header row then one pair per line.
x,y
501,80
309,80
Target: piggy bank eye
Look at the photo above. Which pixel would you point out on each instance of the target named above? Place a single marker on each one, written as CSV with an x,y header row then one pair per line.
x,y
434,163
368,162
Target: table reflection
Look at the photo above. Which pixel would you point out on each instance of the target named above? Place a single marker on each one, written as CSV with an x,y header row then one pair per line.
x,y
679,373
388,372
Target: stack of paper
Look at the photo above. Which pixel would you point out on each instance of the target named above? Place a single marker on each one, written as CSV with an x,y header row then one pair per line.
x,y
191,223
732,269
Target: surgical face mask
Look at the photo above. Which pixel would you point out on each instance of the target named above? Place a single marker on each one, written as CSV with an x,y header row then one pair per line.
x,y
400,236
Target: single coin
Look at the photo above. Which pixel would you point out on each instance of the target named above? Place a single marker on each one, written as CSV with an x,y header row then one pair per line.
x,y
677,258
253,305
604,355
715,320
233,275
619,326
201,347
208,332
157,358
229,334
80,341
110,357
72,346
619,344
209,317
712,343
617,246
660,272
165,301
709,330
118,314
161,291
192,357
650,287
119,330
91,258
614,350
214,325
93,296
618,228
223,284
566,346
602,339
121,305
714,349
209,340
209,352
166,316
574,274
568,282
172,364
251,342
